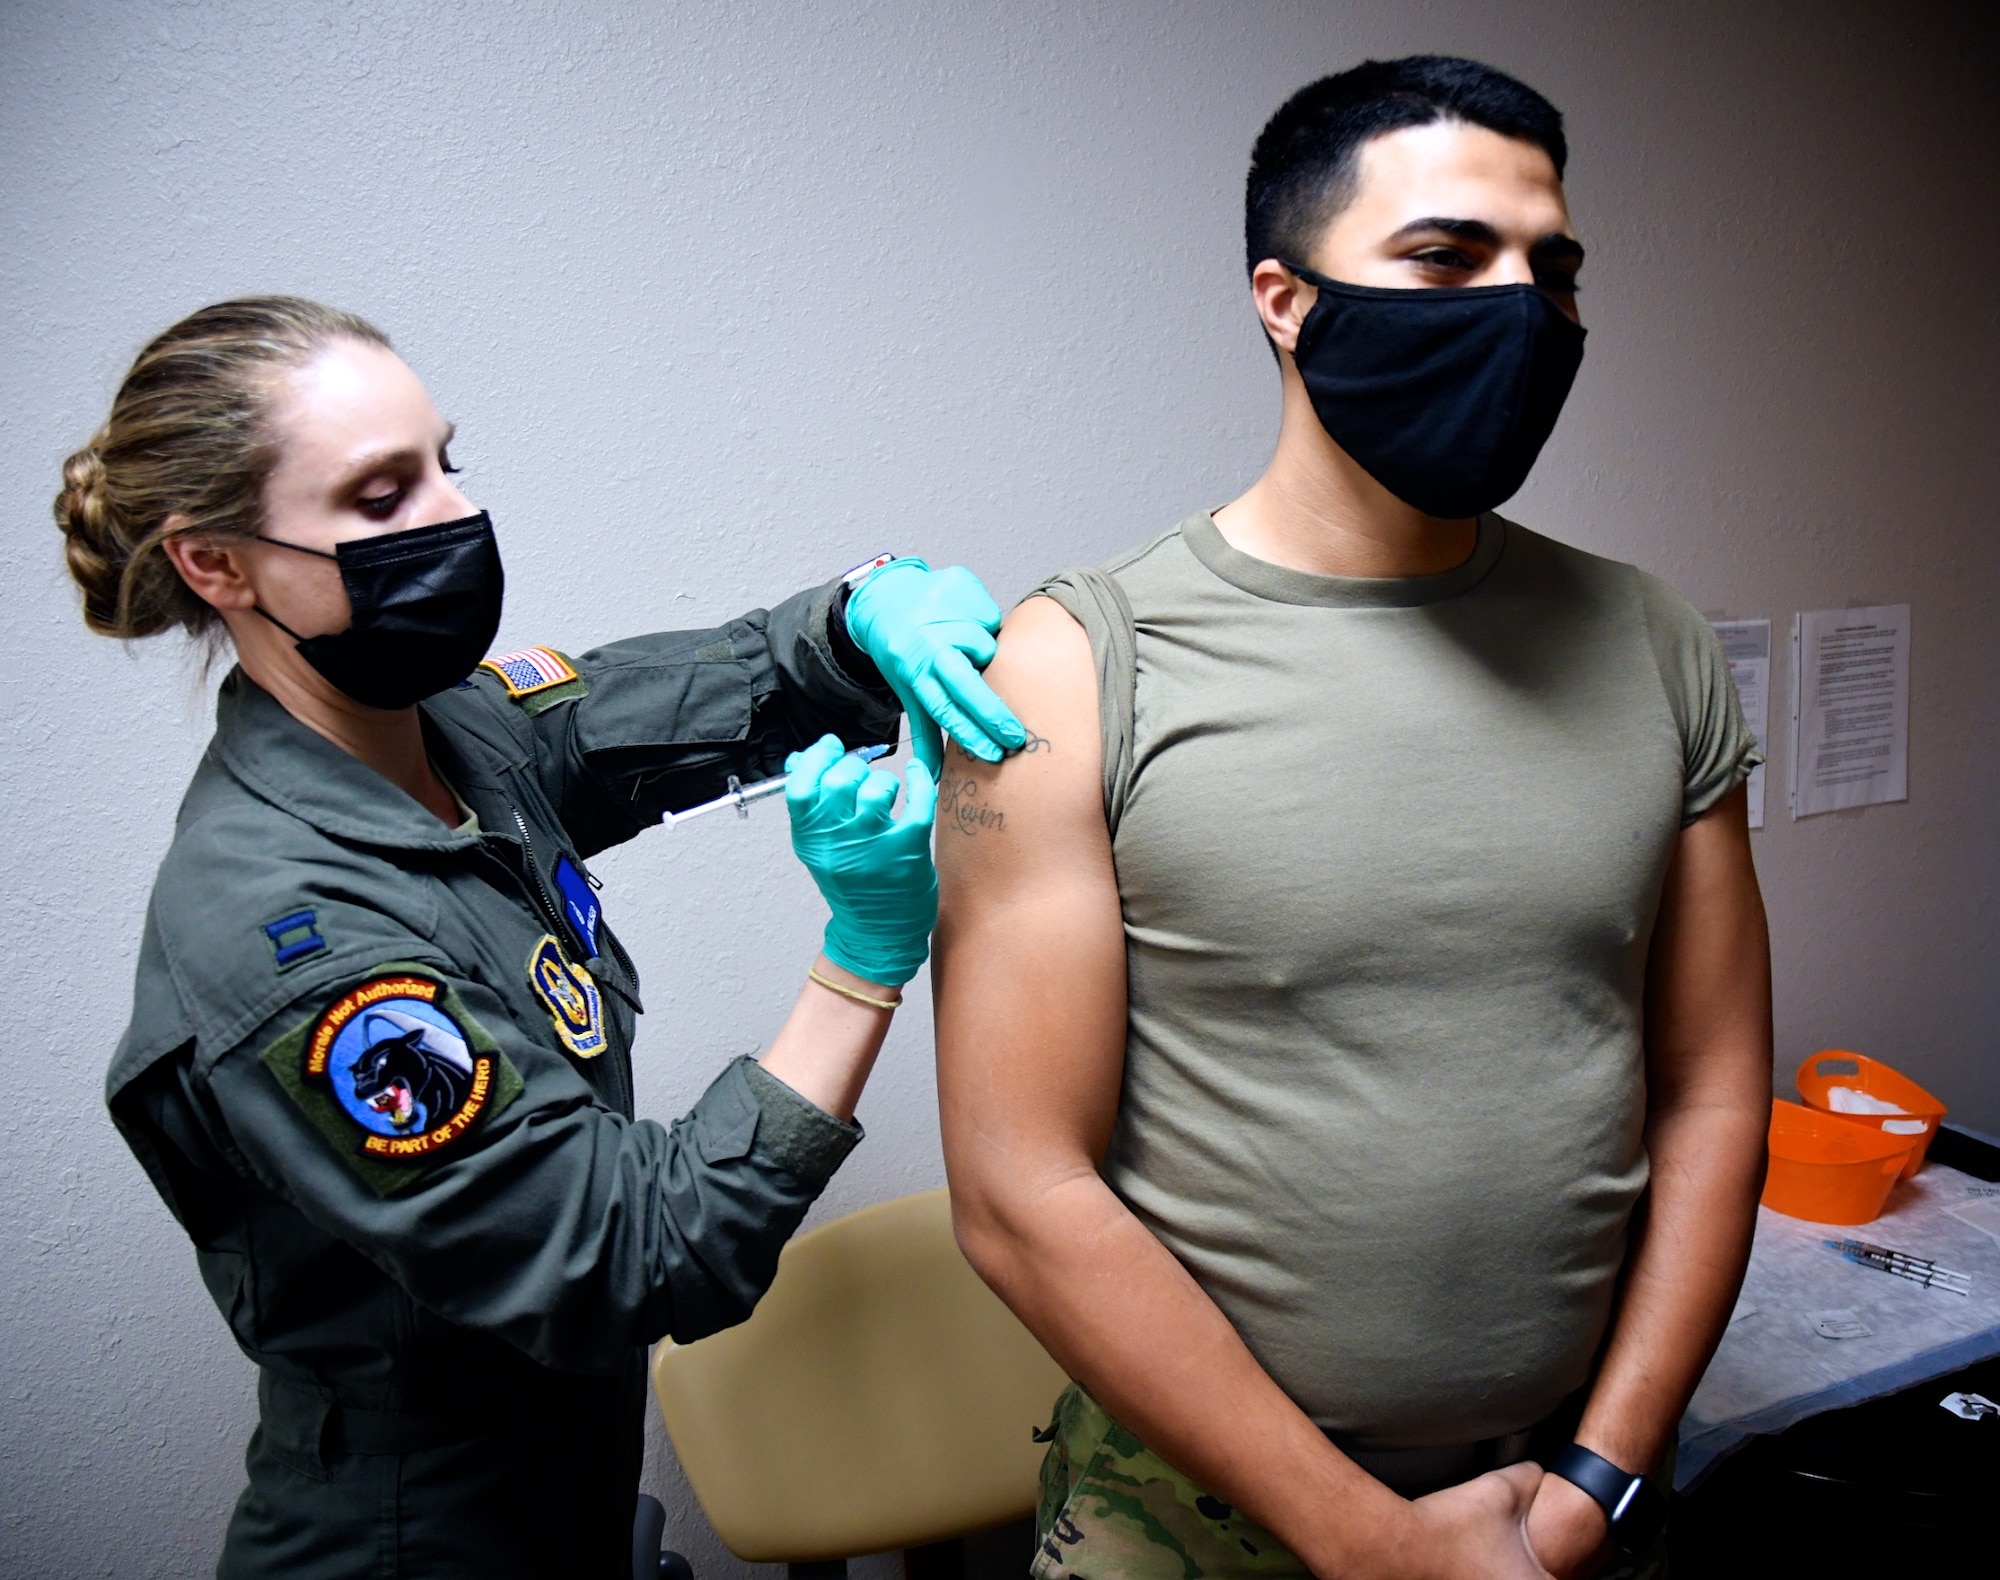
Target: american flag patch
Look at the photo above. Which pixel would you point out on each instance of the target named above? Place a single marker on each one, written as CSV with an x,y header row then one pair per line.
x,y
530,670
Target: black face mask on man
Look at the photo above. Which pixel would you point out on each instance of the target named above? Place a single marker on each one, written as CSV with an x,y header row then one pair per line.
x,y
426,606
1443,396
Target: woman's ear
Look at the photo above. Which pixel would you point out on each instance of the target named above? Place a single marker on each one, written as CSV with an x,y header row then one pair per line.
x,y
214,569
1283,300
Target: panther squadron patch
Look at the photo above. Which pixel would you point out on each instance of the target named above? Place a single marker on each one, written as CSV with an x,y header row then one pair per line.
x,y
398,1059
570,997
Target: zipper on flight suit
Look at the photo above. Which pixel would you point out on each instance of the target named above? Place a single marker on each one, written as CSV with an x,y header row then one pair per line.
x,y
549,907
624,964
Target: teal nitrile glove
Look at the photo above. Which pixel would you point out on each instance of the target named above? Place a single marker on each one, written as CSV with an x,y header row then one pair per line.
x,y
873,867
930,633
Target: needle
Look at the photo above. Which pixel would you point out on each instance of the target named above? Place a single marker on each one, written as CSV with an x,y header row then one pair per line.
x,y
743,797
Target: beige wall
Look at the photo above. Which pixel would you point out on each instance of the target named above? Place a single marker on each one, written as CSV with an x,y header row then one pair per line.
x,y
727,296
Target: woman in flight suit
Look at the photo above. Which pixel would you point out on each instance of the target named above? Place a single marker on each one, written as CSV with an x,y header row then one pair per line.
x,y
379,1060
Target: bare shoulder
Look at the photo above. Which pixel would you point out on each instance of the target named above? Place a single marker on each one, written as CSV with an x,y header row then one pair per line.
x,y
1050,788
1044,651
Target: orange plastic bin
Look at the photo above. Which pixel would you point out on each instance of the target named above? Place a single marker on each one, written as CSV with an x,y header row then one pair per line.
x,y
1922,1113
1828,1171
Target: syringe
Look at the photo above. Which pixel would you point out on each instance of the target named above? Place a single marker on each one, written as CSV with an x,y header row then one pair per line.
x,y
741,796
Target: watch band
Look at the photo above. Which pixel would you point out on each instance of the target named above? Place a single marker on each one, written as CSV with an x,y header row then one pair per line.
x,y
866,569
1635,1507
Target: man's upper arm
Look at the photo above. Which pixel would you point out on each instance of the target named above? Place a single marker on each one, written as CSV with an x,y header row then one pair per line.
x,y
1029,961
1708,991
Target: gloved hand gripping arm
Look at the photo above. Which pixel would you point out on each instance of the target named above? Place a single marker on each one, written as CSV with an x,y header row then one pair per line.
x,y
930,633
874,869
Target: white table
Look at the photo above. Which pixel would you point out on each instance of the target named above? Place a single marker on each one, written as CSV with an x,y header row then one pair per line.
x,y
1773,1369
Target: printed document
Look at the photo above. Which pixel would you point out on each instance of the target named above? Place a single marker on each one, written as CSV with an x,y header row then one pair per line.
x,y
1850,708
1747,646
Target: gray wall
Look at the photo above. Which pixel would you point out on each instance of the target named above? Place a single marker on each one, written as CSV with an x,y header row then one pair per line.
x,y
726,297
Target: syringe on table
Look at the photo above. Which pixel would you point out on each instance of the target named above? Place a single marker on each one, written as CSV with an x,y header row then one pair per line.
x,y
742,796
1917,1269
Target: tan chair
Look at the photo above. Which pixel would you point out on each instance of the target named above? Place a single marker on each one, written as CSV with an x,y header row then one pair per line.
x,y
880,1397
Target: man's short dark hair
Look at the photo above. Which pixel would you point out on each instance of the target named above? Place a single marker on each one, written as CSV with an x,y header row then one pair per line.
x,y
1303,169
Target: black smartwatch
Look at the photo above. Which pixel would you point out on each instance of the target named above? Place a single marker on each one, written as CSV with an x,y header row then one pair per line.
x,y
1635,1507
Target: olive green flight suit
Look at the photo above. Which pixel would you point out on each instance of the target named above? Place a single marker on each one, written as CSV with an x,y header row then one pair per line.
x,y
380,1070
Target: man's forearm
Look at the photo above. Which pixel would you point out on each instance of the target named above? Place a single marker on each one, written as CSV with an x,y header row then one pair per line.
x,y
1683,1272
1708,1087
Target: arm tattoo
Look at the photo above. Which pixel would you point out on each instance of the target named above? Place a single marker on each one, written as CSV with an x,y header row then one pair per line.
x,y
960,796
960,807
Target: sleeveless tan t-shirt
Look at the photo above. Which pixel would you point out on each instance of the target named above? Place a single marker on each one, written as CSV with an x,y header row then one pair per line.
x,y
1389,854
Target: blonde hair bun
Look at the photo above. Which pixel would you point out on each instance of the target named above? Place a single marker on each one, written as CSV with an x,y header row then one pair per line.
x,y
92,545
187,441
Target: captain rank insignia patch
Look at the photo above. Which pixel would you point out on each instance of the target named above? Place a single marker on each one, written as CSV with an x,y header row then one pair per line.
x,y
395,1072
570,997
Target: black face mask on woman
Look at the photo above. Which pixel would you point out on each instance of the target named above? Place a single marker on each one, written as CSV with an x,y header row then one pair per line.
x,y
1443,396
426,606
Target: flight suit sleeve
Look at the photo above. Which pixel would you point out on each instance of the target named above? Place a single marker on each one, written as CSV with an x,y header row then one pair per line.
x,y
659,723
403,1111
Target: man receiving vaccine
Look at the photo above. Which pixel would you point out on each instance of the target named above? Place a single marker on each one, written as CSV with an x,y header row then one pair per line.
x,y
1354,1021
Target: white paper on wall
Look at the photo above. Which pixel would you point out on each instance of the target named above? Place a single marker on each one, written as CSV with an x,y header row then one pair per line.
x,y
1850,708
1747,646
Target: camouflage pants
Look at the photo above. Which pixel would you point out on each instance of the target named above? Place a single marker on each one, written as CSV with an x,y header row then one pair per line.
x,y
1111,1510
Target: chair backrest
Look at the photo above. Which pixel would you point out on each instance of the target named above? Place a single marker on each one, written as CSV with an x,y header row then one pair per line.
x,y
880,1397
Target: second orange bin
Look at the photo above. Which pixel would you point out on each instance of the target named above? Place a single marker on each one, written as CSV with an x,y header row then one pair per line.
x,y
1829,1171
1921,1113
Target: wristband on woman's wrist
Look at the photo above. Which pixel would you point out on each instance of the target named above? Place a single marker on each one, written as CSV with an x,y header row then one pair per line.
x,y
813,974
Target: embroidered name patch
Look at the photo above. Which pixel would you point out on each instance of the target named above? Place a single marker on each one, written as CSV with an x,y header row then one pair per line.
x,y
531,670
570,997
394,1072
579,903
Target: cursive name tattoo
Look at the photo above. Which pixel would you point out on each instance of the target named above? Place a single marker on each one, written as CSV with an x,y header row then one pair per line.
x,y
962,805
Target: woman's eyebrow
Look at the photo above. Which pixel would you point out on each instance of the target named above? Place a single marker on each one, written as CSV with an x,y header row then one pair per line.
x,y
372,462
366,465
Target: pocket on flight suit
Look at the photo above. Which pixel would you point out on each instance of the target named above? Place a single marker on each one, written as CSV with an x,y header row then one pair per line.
x,y
291,1426
309,1511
